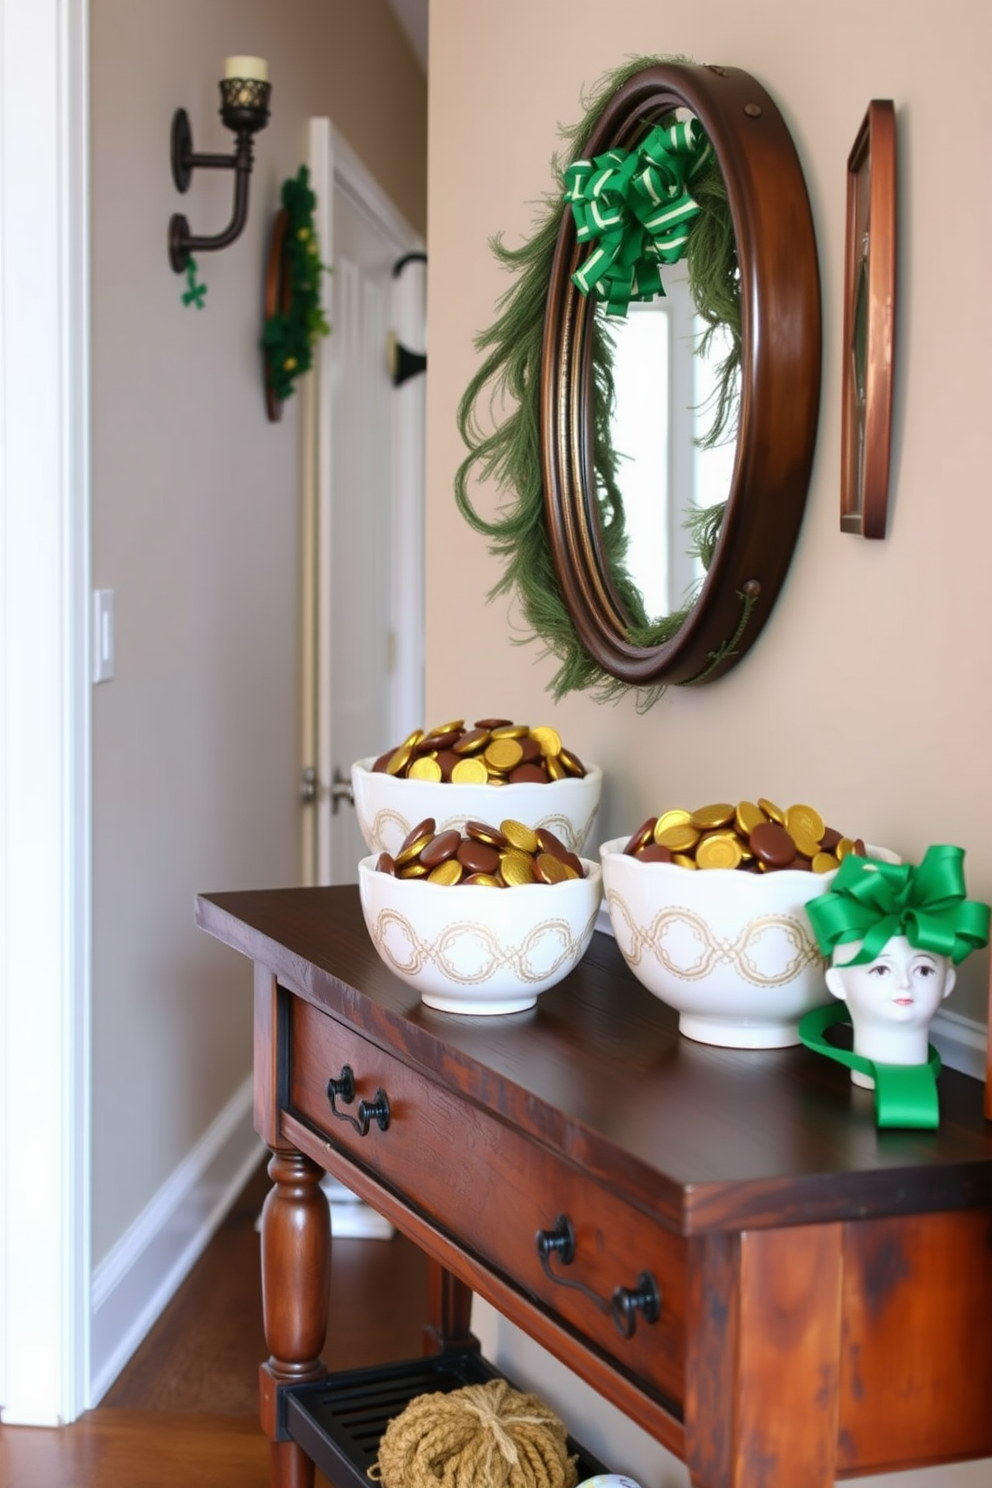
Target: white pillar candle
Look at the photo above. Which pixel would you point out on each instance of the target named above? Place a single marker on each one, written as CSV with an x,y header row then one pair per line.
x,y
255,68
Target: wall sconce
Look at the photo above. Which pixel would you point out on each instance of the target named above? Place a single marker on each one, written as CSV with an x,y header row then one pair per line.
x,y
244,108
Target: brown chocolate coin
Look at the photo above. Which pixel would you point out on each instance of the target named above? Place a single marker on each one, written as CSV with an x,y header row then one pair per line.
x,y
772,845
653,852
640,838
440,848
527,774
415,842
548,842
477,857
573,765
483,832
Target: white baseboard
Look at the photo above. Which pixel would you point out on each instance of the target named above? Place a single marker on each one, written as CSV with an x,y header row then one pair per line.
x,y
960,1041
143,1271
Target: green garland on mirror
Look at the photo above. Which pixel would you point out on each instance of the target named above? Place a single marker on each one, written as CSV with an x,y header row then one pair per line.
x,y
510,453
289,336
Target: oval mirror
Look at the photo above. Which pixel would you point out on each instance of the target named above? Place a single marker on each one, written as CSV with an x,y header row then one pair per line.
x,y
776,401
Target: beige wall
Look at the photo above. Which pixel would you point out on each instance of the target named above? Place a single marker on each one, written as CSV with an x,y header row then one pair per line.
x,y
868,693
195,742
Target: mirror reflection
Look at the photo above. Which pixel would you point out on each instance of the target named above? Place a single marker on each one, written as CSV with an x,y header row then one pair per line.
x,y
666,386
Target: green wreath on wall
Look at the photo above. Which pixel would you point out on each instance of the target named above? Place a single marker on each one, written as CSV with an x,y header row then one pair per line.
x,y
294,319
510,452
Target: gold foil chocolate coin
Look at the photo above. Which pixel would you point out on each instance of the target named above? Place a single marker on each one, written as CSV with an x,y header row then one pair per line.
x,y
399,759
805,822
719,851
707,818
469,772
679,839
518,836
424,768
674,818
773,812
549,869
516,868
503,754
448,873
748,815
548,738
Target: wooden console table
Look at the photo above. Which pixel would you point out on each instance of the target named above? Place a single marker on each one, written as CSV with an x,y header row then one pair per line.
x,y
720,1242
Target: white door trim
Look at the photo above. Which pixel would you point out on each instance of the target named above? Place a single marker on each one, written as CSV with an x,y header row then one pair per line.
x,y
44,712
334,165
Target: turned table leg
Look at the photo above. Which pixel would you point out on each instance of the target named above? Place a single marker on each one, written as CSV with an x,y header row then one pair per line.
x,y
296,1259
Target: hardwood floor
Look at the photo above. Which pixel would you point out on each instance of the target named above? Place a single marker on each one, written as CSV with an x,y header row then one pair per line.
x,y
184,1410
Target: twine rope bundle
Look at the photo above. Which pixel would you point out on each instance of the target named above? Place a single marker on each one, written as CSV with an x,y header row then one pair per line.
x,y
482,1436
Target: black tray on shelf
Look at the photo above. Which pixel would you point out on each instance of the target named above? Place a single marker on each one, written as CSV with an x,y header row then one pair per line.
x,y
339,1421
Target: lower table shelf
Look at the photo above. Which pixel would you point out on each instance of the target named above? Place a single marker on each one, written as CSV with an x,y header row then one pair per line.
x,y
339,1421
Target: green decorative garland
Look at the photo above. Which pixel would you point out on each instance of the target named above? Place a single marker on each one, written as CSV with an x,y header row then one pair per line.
x,y
510,453
290,335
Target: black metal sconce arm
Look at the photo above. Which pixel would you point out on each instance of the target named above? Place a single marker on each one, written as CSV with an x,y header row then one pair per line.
x,y
245,118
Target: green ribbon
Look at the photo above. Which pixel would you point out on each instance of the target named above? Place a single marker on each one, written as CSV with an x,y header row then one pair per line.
x,y
905,1094
194,292
872,901
637,206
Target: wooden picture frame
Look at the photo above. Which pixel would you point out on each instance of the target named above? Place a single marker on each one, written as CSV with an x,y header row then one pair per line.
x,y
869,323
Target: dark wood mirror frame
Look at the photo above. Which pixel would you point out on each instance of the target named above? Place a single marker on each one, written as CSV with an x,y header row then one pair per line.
x,y
779,394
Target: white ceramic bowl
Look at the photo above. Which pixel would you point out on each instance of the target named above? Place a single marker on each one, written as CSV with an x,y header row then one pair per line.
x,y
733,952
389,806
479,950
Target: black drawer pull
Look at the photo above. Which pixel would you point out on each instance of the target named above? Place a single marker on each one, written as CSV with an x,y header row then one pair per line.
x,y
376,1110
626,1302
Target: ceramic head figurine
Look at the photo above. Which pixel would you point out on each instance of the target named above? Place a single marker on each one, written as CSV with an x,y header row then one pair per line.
x,y
892,1000
894,934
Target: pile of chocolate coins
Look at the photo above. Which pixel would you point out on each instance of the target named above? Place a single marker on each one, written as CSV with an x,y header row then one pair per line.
x,y
492,751
500,857
753,836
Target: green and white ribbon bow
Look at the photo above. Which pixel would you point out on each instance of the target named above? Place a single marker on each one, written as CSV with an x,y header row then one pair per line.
x,y
871,901
905,1094
637,207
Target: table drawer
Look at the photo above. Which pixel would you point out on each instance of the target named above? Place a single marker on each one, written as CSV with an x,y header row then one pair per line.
x,y
432,1151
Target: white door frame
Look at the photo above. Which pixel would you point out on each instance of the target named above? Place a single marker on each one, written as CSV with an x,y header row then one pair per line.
x,y
334,165
44,712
